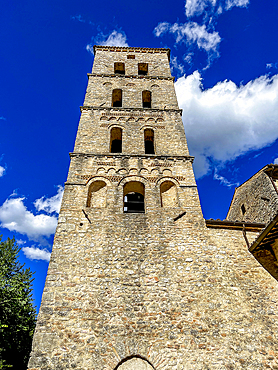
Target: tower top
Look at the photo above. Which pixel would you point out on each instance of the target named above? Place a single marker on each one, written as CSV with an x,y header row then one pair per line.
x,y
132,49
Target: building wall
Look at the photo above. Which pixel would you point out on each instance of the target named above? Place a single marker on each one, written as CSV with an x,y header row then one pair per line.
x,y
259,198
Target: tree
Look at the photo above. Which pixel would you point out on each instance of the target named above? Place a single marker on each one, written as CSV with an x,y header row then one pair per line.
x,y
17,314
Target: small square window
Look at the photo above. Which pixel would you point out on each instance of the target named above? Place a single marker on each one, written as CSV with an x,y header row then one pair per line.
x,y
142,69
119,68
131,56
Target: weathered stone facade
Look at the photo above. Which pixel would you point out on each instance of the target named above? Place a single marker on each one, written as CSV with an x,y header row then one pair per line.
x,y
155,289
256,200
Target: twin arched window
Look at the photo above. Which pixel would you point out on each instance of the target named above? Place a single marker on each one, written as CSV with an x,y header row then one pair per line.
x,y
117,98
116,134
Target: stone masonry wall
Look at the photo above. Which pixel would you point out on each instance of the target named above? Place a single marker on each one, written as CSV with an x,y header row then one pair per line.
x,y
259,198
95,125
157,286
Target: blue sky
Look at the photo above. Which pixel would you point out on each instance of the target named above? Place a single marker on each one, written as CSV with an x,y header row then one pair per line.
x,y
224,56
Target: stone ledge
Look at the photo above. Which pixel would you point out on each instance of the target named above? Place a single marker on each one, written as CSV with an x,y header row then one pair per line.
x,y
148,77
146,110
122,155
235,225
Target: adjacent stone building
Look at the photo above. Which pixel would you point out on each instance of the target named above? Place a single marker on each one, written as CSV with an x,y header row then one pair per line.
x,y
256,200
138,280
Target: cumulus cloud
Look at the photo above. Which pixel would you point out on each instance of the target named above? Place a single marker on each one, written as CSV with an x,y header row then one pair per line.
x,y
14,216
52,204
276,161
2,171
226,121
115,38
34,253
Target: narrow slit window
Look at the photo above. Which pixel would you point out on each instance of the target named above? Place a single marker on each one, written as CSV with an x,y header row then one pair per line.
x,y
146,99
142,69
117,98
116,140
149,141
243,210
134,194
119,68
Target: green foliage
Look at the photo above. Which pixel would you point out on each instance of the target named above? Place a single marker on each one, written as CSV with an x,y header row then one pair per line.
x,y
17,314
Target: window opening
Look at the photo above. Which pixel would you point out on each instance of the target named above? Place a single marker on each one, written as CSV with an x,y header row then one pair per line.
x,y
131,56
243,210
116,140
142,69
169,196
146,99
149,141
97,194
119,68
134,194
117,98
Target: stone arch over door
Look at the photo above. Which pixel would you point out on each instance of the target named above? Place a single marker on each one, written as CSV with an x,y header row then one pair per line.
x,y
134,363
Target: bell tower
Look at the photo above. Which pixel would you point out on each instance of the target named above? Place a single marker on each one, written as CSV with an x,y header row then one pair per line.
x,y
129,223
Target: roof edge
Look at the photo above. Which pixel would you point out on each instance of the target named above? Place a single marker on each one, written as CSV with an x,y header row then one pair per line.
x,y
131,48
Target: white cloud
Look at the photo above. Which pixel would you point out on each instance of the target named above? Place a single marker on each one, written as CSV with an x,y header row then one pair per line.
x,y
78,18
52,204
116,38
191,33
276,161
197,7
14,216
2,171
225,121
223,180
20,242
176,65
240,3
34,253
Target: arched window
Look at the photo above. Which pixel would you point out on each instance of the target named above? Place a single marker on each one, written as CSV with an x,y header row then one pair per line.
x,y
134,194
119,68
146,99
117,98
97,194
116,140
149,141
169,195
142,69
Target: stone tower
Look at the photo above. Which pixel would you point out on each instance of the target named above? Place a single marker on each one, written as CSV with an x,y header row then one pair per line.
x,y
136,280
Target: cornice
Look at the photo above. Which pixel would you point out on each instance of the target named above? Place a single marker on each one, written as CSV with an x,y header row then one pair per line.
x,y
123,49
171,78
127,156
91,107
